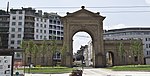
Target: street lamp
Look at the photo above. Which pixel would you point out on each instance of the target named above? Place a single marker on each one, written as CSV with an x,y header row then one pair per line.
x,y
82,57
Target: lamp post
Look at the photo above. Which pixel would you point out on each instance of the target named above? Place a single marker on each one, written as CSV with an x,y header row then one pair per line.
x,y
82,57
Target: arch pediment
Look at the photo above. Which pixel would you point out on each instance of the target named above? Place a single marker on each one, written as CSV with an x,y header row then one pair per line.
x,y
84,13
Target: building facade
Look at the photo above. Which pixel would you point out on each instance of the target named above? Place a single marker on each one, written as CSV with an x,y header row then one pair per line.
x,y
27,24
132,33
4,29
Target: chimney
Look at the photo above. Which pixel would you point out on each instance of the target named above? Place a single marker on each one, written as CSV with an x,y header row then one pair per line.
x,y
7,7
40,12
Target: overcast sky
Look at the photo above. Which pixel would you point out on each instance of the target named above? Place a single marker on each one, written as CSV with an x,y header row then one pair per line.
x,y
112,21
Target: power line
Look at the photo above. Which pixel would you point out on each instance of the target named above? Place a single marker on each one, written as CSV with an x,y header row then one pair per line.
x,y
125,12
82,36
66,7
100,7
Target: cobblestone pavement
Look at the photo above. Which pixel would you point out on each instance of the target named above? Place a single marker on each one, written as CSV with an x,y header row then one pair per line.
x,y
99,72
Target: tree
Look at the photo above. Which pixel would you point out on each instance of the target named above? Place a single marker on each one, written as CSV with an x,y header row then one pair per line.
x,y
23,45
43,50
136,49
121,51
30,51
63,53
35,52
53,48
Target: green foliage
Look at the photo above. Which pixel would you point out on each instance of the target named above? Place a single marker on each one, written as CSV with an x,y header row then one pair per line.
x,y
131,68
121,52
50,70
23,45
63,50
53,46
136,48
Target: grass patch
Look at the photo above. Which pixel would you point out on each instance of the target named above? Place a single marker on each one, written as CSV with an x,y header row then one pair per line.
x,y
131,68
47,70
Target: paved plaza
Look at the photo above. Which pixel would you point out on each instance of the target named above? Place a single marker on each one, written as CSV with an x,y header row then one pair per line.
x,y
99,72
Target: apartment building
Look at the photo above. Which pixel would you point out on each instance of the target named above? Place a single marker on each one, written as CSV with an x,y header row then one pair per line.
x,y
48,26
4,29
21,26
131,33
27,24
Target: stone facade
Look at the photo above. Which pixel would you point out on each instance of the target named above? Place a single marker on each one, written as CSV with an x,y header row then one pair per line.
x,y
104,52
92,23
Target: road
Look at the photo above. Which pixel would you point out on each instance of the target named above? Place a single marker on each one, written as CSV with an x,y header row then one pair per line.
x,y
99,72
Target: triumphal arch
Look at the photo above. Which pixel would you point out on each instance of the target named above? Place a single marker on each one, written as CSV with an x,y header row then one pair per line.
x,y
87,21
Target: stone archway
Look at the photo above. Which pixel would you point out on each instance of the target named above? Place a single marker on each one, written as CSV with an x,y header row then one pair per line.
x,y
92,23
109,58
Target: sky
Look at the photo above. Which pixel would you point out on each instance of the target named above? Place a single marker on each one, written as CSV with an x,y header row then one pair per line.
x,y
112,20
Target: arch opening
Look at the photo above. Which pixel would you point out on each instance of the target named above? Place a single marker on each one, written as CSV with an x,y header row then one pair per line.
x,y
109,59
82,49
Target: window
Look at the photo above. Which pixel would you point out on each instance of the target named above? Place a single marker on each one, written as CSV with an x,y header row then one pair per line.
x,y
19,23
19,29
41,20
37,19
20,12
44,31
58,38
37,25
37,36
148,52
148,39
13,12
146,45
18,55
135,58
54,21
145,39
12,42
45,38
40,31
13,23
54,32
61,38
12,47
19,41
50,31
12,35
50,21
37,30
58,22
45,26
41,37
50,26
13,29
41,25
20,17
58,32
44,20
19,35
57,56
14,17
